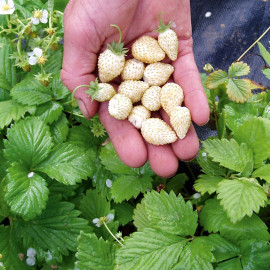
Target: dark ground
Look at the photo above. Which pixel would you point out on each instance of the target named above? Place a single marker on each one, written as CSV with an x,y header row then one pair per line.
x,y
232,27
222,37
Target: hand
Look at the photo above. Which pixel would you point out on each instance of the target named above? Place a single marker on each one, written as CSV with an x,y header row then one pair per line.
x,y
87,30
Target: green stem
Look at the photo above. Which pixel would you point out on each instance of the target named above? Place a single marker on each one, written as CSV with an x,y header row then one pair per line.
x,y
75,90
57,11
191,172
112,234
159,18
76,114
49,43
120,32
253,44
8,21
19,47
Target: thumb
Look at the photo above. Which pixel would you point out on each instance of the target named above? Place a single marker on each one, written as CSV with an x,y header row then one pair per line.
x,y
79,61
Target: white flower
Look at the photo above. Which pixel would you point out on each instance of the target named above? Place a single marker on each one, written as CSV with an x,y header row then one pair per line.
x,y
6,7
204,154
31,261
99,221
109,183
30,175
36,57
196,195
31,252
40,16
208,14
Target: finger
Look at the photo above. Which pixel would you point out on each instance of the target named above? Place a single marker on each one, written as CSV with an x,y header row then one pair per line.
x,y
185,149
126,139
162,160
79,59
87,106
187,76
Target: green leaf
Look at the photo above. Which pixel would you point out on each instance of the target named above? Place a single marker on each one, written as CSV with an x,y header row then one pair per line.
x,y
266,72
237,69
170,213
238,90
100,176
31,92
49,112
208,166
141,218
123,212
7,67
4,83
128,186
196,255
236,114
4,95
255,133
94,205
150,249
255,255
28,141
94,253
9,249
241,197
176,183
234,264
221,126
223,249
50,6
26,193
58,89
60,129
57,228
54,63
216,78
264,53
11,110
207,183
263,172
214,219
112,162
4,208
83,137
68,164
230,154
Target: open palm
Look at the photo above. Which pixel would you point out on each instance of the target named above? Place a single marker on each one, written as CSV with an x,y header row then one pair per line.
x,y
87,30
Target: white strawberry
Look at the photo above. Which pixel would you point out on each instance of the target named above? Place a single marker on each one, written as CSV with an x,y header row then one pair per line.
x,y
138,115
151,98
133,89
157,132
120,106
147,50
111,62
158,73
100,91
180,120
171,95
133,70
167,39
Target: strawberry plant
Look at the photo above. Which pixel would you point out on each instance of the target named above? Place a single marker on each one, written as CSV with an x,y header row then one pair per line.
x,y
68,202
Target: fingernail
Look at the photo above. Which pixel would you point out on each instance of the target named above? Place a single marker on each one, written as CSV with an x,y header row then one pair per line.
x,y
83,109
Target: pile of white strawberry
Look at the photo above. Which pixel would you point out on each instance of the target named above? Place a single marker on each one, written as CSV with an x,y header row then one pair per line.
x,y
144,80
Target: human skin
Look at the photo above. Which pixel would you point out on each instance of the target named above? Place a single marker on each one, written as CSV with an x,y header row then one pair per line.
x,y
87,31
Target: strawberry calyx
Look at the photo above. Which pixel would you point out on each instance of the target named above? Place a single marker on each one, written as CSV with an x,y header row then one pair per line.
x,y
162,27
93,89
117,47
